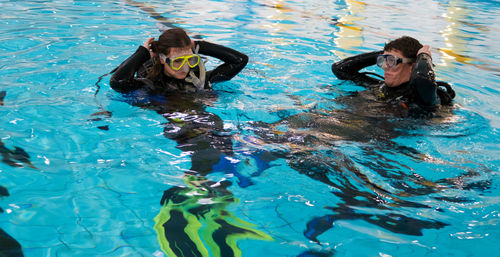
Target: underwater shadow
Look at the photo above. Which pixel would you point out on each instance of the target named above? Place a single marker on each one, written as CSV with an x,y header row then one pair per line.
x,y
372,182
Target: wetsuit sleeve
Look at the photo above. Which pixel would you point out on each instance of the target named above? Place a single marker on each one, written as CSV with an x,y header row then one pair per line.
x,y
234,61
123,79
348,68
422,80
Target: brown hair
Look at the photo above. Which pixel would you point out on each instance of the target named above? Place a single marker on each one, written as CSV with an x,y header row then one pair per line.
x,y
176,37
408,46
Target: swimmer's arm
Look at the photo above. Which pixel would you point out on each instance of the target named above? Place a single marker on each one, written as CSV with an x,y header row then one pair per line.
x,y
123,79
234,61
422,80
348,68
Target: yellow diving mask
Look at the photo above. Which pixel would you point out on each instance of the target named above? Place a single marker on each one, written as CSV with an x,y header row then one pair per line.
x,y
176,64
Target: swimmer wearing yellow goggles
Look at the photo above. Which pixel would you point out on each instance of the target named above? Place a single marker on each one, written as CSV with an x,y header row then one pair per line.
x,y
177,63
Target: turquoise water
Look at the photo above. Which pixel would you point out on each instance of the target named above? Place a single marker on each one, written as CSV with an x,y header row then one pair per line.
x,y
95,181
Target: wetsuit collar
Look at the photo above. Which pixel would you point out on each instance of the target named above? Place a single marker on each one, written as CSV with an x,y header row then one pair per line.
x,y
401,90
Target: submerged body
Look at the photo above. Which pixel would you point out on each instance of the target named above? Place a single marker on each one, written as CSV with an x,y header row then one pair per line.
x,y
193,220
380,112
181,98
312,142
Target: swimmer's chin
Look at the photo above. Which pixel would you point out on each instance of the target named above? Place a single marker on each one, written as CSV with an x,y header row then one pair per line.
x,y
181,75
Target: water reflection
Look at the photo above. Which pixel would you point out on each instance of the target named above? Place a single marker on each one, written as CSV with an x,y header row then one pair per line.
x,y
16,157
460,33
350,35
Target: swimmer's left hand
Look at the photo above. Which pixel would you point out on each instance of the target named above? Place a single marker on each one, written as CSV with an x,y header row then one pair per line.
x,y
193,44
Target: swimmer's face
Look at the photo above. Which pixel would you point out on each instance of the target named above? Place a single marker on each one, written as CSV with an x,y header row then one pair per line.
x,y
174,53
398,74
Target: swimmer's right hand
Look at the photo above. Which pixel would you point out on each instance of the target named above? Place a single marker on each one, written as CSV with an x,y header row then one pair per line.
x,y
147,45
425,49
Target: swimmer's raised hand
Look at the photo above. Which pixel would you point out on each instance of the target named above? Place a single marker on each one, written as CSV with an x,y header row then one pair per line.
x,y
147,45
425,49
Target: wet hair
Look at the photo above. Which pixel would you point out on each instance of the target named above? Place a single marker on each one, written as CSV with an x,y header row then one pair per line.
x,y
170,38
408,46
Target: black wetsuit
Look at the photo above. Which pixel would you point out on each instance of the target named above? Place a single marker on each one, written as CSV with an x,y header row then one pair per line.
x,y
316,139
195,130
419,97
368,114
124,81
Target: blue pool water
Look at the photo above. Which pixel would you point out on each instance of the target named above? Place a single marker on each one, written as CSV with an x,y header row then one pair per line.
x,y
98,166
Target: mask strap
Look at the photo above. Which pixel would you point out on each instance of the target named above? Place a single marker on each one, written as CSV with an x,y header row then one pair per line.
x,y
196,49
